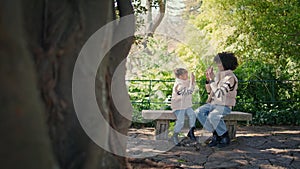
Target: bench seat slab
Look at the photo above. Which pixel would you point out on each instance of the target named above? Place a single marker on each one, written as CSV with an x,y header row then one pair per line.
x,y
163,118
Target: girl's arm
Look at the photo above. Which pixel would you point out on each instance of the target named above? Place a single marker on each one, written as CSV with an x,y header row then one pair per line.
x,y
176,88
182,90
192,82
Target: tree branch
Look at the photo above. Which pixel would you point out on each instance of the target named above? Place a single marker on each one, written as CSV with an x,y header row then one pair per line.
x,y
162,10
152,27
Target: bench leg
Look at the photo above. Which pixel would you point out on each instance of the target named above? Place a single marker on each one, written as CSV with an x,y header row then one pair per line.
x,y
231,127
162,129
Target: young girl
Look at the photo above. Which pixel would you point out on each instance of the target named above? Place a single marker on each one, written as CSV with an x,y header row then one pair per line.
x,y
222,90
181,102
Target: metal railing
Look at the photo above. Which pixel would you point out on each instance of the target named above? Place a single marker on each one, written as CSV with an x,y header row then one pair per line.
x,y
157,93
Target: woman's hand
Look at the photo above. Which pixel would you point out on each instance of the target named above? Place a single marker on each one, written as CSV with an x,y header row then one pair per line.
x,y
210,75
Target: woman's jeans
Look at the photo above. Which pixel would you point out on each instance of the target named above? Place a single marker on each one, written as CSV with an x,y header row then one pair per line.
x,y
180,115
211,117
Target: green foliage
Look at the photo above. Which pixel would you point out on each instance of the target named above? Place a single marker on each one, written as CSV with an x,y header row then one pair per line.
x,y
265,97
276,116
265,37
153,62
255,30
140,9
171,128
148,95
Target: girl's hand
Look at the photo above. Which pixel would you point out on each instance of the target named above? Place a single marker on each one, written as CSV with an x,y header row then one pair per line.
x,y
176,88
193,77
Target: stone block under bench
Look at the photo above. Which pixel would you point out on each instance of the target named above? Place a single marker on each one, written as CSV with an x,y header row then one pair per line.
x,y
163,117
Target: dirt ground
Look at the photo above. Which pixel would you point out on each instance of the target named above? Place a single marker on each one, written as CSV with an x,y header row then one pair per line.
x,y
255,147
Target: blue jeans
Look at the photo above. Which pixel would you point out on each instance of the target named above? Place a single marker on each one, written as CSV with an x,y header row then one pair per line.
x,y
180,114
211,117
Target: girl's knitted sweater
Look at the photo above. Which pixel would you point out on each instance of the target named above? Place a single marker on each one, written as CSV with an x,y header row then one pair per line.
x,y
182,94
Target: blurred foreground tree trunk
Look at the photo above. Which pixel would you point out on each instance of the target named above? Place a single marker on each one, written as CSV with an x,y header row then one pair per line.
x,y
40,42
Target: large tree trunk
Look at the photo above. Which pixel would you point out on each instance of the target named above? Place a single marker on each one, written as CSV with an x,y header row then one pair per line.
x,y
24,139
51,34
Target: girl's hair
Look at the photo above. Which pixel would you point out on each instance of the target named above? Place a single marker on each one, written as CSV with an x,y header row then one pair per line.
x,y
228,60
179,71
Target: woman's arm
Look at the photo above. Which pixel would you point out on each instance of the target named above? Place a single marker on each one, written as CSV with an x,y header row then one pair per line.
x,y
223,90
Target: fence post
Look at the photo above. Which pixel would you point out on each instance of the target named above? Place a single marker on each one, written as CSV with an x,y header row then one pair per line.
x,y
149,94
273,91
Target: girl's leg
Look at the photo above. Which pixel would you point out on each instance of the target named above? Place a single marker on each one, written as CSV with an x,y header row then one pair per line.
x,y
179,120
178,125
192,120
192,117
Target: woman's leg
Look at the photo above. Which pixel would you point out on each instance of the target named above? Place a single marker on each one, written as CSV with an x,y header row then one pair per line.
x,y
220,137
211,117
202,114
215,118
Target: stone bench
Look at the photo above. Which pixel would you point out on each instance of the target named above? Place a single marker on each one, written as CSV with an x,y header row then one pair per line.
x,y
163,117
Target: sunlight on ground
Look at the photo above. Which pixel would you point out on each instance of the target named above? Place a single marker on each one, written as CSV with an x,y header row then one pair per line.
x,y
278,151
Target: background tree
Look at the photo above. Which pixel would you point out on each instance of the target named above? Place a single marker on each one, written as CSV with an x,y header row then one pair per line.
x,y
256,30
265,37
40,44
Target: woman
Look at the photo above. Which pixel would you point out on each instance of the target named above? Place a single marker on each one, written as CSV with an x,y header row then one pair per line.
x,y
222,90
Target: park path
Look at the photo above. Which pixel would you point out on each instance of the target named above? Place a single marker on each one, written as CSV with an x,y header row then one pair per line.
x,y
264,147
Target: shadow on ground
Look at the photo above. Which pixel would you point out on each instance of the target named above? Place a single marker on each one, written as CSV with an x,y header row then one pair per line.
x,y
255,147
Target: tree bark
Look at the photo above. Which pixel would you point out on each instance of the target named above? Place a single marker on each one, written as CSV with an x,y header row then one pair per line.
x,y
111,80
24,139
40,48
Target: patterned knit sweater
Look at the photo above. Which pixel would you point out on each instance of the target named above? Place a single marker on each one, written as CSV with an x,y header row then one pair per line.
x,y
182,94
223,90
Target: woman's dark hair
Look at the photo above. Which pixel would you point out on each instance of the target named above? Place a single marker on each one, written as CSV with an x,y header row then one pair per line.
x,y
228,60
